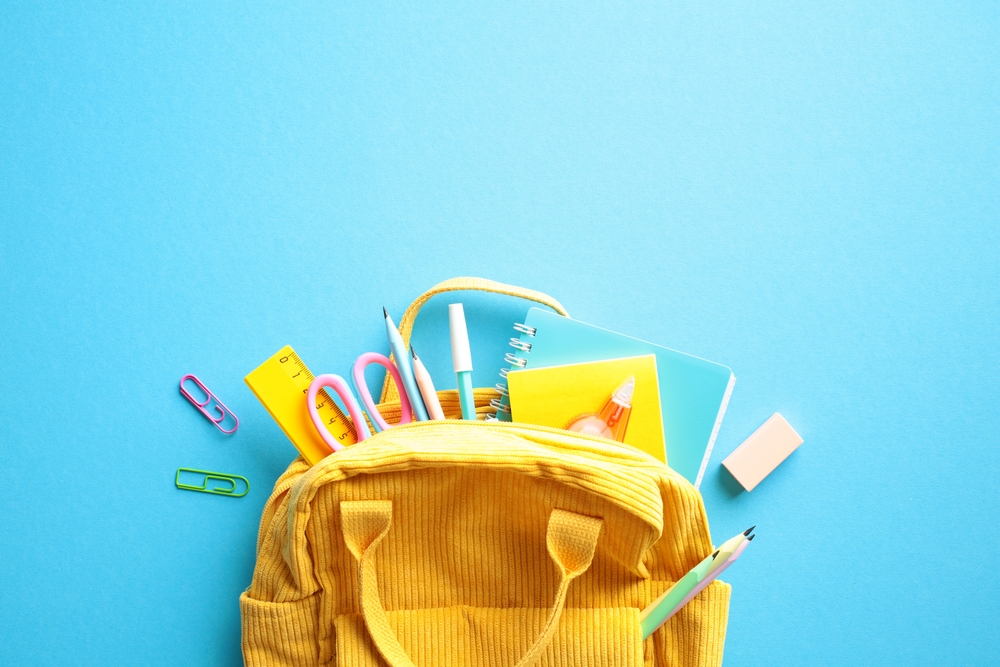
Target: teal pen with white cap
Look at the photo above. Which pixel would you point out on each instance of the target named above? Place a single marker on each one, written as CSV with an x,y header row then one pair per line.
x,y
402,359
461,359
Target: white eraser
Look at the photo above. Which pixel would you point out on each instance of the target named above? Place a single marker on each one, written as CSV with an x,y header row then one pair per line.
x,y
461,355
762,452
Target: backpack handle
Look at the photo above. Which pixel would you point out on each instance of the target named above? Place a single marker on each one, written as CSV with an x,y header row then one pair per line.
x,y
389,390
571,539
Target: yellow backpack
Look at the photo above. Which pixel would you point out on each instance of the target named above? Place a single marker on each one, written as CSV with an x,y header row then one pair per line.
x,y
444,543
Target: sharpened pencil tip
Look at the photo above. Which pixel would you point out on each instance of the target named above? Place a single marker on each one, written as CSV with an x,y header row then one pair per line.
x,y
716,553
751,537
413,352
749,530
385,312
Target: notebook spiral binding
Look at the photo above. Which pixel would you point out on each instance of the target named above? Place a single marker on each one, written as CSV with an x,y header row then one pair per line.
x,y
518,344
515,360
501,406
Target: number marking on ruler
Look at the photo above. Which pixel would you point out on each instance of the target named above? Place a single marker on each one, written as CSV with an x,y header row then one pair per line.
x,y
281,384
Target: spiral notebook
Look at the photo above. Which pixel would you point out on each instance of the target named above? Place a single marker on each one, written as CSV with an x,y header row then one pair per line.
x,y
694,392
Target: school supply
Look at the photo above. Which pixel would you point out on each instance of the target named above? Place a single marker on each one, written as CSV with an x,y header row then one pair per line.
x,y
694,392
201,404
700,576
656,614
402,360
461,358
360,386
762,452
207,476
426,386
453,521
281,384
556,395
727,548
612,421
719,565
461,542
350,401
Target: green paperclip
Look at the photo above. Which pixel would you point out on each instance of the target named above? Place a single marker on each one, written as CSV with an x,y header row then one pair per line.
x,y
215,477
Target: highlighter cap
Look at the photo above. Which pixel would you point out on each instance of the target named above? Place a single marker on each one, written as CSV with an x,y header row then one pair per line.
x,y
461,355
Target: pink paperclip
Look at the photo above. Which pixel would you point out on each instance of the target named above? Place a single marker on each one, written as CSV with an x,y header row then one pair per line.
x,y
219,405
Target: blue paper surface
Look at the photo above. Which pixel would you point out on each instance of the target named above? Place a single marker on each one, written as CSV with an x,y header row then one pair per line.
x,y
804,192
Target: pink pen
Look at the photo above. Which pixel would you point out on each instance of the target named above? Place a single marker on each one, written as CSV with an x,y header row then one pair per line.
x,y
711,577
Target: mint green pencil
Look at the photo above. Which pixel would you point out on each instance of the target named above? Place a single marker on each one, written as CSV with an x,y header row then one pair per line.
x,y
663,607
655,614
728,548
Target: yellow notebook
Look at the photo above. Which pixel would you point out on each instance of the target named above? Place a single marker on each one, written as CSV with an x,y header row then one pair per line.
x,y
555,395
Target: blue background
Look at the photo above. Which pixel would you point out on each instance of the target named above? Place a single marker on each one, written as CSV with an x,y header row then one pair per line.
x,y
807,193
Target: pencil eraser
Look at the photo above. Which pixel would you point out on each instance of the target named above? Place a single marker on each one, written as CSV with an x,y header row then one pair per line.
x,y
762,452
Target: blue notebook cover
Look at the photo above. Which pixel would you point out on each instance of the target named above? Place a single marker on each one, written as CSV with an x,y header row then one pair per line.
x,y
694,392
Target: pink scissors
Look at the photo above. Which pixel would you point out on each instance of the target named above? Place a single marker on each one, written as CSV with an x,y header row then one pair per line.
x,y
354,408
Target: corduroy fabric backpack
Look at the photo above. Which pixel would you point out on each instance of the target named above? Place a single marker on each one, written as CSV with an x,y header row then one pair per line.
x,y
448,543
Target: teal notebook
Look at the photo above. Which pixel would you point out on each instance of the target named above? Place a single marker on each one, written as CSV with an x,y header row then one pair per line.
x,y
693,392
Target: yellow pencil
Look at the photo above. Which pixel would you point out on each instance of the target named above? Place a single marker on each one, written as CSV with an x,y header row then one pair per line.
x,y
426,385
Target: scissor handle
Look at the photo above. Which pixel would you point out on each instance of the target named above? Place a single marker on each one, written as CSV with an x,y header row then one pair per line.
x,y
365,360
338,384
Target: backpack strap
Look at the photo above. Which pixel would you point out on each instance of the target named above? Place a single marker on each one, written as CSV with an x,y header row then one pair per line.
x,y
389,390
571,540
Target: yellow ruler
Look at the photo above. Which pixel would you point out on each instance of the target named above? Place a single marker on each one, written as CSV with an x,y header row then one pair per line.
x,y
281,384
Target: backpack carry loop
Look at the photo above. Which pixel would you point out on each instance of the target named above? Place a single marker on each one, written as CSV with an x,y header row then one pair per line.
x,y
571,539
389,390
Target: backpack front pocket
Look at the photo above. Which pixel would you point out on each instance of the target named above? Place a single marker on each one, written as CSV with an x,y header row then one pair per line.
x,y
280,633
470,636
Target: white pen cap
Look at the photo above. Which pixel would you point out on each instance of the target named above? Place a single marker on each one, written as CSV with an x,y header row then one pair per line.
x,y
461,355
